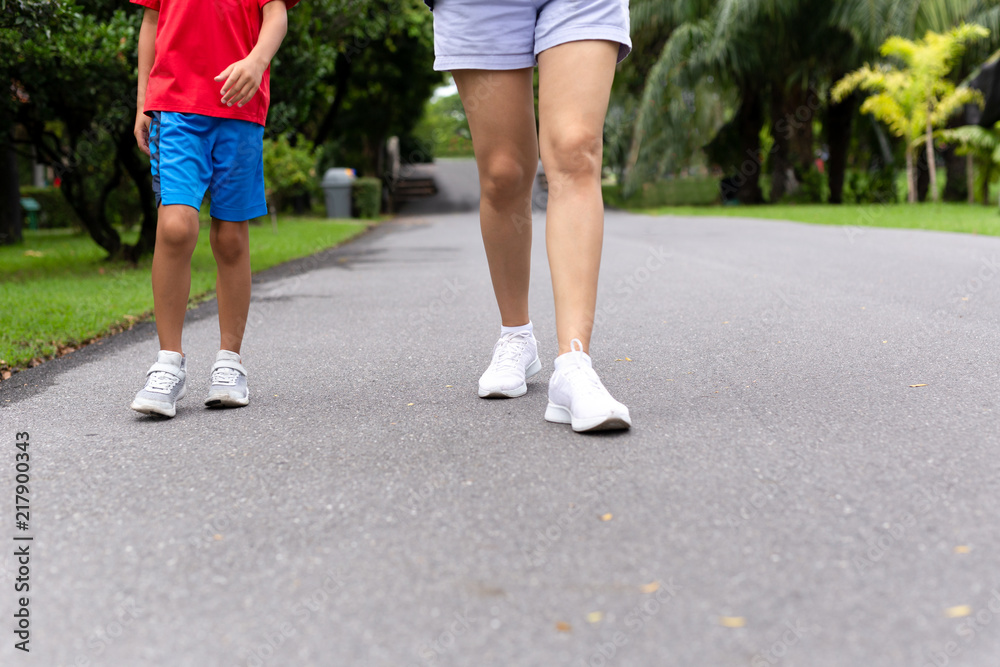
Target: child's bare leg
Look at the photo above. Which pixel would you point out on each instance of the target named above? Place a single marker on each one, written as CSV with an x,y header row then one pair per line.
x,y
176,236
231,247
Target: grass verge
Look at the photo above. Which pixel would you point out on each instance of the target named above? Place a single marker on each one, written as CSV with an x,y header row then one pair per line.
x,y
964,218
58,292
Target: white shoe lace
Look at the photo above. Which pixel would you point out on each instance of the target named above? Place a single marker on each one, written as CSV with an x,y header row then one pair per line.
x,y
509,349
161,382
225,376
584,380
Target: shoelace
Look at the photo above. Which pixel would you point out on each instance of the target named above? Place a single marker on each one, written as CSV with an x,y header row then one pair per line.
x,y
225,376
584,378
509,349
161,382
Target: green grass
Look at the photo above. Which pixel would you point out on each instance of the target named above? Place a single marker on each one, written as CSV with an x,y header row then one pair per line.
x,y
970,219
56,289
691,191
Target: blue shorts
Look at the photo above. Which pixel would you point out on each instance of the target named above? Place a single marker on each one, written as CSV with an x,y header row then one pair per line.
x,y
191,153
509,34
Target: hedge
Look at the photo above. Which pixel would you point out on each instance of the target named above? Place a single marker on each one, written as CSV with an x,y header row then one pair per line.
x,y
56,211
366,193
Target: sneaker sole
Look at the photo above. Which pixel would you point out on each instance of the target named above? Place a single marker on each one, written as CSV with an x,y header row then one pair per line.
x,y
557,414
156,409
226,402
148,409
533,368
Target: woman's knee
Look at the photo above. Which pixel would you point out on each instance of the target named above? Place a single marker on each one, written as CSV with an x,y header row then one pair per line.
x,y
573,152
505,176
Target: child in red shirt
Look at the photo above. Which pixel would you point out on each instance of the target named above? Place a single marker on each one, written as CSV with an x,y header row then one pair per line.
x,y
202,103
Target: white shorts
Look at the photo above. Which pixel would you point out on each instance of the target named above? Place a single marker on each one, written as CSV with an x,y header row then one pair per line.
x,y
509,34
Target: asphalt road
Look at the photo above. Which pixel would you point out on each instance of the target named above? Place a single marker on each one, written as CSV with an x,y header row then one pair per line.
x,y
785,497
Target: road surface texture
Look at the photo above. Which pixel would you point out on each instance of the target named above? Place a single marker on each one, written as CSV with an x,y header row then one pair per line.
x,y
786,496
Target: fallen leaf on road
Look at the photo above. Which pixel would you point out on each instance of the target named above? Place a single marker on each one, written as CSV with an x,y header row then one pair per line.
x,y
961,549
562,626
918,385
447,386
409,404
650,587
217,537
595,616
732,621
607,517
958,611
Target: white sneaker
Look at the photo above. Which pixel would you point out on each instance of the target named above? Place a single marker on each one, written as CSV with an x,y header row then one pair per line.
x,y
166,384
577,397
229,382
515,359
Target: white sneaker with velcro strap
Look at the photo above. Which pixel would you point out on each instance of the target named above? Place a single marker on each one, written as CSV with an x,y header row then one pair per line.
x,y
166,383
229,382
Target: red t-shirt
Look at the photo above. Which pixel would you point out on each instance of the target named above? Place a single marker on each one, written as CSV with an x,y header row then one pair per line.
x,y
195,41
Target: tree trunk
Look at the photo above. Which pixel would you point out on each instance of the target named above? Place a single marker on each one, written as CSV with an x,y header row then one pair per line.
x,y
792,113
911,184
922,174
839,121
970,177
750,118
10,192
128,156
342,81
931,163
956,185
987,176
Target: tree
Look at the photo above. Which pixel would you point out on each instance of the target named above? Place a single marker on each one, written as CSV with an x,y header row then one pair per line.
x,y
77,107
20,21
917,98
983,147
778,58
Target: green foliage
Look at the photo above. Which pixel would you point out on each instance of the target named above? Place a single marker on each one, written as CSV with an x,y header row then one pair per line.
x,y
871,187
914,99
289,171
754,52
909,99
56,213
366,194
688,191
813,189
443,131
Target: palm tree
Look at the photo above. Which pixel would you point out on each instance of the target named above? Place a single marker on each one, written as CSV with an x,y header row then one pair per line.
x,y
982,146
919,97
774,56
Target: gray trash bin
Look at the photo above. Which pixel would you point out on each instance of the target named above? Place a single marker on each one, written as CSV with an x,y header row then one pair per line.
x,y
337,192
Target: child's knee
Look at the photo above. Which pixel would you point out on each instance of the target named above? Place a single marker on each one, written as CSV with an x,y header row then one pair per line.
x,y
230,242
176,232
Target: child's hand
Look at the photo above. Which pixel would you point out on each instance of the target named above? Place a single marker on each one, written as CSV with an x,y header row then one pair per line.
x,y
142,131
242,79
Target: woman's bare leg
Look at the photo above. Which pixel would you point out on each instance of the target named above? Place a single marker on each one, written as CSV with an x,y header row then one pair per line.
x,y
501,112
574,91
